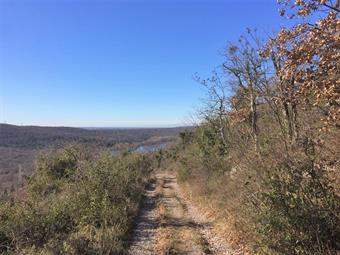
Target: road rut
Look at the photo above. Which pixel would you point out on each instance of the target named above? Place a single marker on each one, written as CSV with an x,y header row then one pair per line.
x,y
168,224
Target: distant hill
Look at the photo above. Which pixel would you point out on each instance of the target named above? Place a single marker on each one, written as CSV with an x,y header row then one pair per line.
x,y
20,144
34,137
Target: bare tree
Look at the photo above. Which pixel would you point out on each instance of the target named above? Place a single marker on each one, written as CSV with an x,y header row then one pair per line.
x,y
216,103
243,66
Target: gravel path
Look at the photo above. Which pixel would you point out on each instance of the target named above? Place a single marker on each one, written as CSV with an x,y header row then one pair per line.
x,y
181,214
143,235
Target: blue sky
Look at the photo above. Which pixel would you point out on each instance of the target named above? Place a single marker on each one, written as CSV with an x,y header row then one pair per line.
x,y
115,63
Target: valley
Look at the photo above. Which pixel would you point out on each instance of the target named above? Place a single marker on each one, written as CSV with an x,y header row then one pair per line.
x,y
21,145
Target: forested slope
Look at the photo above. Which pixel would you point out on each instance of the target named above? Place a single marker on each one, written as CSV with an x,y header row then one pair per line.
x,y
264,158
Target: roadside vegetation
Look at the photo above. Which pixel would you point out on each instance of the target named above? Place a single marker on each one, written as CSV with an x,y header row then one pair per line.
x,y
264,160
79,201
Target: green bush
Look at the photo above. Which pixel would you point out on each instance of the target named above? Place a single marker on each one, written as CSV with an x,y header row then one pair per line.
x,y
299,213
76,203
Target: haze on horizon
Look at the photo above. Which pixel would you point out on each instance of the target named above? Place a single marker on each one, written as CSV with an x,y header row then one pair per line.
x,y
115,63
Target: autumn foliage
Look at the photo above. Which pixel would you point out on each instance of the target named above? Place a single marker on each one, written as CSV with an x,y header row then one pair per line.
x,y
310,53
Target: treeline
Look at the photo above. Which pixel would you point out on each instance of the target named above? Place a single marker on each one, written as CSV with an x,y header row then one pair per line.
x,y
79,201
265,157
36,137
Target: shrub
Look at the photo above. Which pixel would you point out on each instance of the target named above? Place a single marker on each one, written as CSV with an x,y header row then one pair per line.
x,y
278,202
76,203
299,210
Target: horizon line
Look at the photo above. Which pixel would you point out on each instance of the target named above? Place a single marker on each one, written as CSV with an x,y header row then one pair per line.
x,y
102,127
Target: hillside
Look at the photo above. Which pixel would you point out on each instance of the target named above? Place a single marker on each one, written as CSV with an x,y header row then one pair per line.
x,y
19,145
33,137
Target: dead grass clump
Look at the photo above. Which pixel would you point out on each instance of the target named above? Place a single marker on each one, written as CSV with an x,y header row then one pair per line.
x,y
171,240
165,240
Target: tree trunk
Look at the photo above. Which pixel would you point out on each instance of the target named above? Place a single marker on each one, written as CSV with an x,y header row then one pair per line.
x,y
253,116
222,126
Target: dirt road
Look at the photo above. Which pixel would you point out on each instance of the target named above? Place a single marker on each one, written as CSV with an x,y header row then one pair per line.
x,y
170,225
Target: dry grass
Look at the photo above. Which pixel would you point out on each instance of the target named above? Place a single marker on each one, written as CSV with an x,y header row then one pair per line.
x,y
224,223
165,238
165,241
172,238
